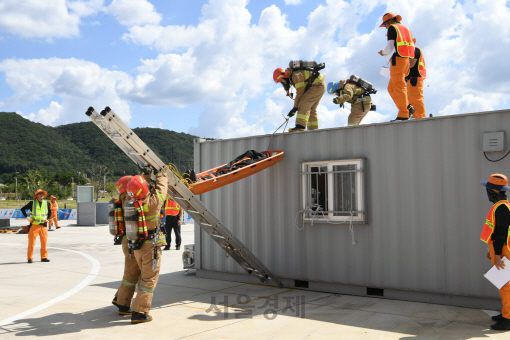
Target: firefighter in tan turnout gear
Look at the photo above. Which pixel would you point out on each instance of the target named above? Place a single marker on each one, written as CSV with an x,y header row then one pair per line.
x,y
310,86
141,216
350,93
118,230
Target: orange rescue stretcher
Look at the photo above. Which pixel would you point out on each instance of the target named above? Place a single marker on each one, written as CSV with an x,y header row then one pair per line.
x,y
205,183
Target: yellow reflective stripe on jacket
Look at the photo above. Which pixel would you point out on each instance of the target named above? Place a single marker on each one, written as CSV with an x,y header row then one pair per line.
x,y
161,197
152,218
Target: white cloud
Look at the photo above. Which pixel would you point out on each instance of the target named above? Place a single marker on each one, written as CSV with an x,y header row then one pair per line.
x,y
134,12
45,19
78,83
293,2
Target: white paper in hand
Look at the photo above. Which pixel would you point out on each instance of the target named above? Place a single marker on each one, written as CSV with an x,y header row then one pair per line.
x,y
499,278
385,71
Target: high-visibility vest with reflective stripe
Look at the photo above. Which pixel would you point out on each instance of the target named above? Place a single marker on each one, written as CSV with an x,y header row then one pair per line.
x,y
171,208
54,207
422,70
405,46
39,213
488,227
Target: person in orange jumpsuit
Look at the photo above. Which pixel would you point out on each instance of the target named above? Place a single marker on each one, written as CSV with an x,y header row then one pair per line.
x,y
54,213
496,234
39,214
415,77
400,43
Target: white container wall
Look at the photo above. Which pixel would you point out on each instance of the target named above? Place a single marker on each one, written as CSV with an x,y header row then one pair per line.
x,y
424,210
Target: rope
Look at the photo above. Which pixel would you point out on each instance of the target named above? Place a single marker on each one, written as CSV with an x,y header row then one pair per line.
x,y
497,160
319,209
283,133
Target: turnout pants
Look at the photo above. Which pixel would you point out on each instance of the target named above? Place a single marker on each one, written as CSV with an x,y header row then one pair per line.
x,y
130,279
53,219
307,110
505,291
146,277
357,113
35,230
397,85
415,97
171,223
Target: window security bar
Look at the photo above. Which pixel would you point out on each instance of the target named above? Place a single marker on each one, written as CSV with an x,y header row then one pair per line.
x,y
336,212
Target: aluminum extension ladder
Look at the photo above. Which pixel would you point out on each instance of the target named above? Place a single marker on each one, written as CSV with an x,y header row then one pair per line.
x,y
141,154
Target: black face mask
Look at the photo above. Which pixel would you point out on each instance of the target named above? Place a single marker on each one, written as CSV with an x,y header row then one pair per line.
x,y
495,196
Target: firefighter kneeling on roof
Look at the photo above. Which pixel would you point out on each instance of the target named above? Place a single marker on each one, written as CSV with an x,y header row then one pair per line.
x,y
310,87
141,217
359,98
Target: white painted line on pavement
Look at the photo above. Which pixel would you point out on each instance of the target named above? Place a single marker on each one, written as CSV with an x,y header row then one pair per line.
x,y
92,275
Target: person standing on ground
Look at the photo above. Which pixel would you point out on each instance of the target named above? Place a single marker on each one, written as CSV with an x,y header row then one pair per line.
x,y
129,281
496,234
400,42
40,212
173,214
146,251
414,78
54,213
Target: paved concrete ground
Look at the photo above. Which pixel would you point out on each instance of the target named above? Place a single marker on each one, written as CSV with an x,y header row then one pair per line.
x,y
70,298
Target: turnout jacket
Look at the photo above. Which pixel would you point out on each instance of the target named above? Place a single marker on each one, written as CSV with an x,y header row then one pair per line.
x,y
299,79
155,199
351,93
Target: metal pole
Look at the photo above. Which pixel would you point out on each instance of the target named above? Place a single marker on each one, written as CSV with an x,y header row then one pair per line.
x,y
72,186
16,198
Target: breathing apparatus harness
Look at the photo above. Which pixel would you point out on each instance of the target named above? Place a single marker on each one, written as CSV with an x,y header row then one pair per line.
x,y
120,226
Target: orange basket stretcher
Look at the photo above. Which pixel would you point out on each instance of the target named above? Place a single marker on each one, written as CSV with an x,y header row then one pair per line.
x,y
204,185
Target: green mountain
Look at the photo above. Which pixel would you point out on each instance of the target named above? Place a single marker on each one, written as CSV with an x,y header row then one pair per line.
x,y
26,145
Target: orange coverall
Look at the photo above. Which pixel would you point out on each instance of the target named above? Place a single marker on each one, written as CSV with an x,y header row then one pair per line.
x,y
54,214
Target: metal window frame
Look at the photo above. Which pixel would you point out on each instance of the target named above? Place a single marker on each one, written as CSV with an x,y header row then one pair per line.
x,y
360,190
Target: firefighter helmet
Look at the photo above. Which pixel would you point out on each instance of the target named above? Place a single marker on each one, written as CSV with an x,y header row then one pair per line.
x,y
137,187
335,86
279,74
122,184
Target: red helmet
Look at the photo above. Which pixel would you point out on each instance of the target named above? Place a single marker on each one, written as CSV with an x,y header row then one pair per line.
x,y
137,187
122,184
279,74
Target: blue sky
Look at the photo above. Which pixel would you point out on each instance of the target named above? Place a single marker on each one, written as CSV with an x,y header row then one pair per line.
x,y
205,67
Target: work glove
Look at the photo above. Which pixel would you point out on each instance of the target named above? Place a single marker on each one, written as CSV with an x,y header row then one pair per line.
x,y
335,100
292,112
145,169
29,219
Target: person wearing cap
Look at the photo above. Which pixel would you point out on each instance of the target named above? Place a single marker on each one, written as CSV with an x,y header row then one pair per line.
x,y
54,213
345,91
40,212
414,78
400,43
496,234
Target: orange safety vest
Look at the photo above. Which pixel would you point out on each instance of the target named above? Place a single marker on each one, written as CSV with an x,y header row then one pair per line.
x,y
171,208
54,207
405,46
488,227
422,70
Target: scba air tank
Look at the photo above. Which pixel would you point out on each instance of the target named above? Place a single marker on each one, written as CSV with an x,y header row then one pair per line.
x,y
111,217
361,82
297,64
131,221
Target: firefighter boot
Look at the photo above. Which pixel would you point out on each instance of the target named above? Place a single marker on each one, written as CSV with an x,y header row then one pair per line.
x,y
140,317
297,128
125,310
503,324
497,317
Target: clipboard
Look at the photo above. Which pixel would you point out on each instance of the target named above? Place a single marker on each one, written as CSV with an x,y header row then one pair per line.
x,y
499,278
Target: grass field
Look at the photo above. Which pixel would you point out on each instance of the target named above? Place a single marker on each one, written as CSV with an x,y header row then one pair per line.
x,y
12,204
